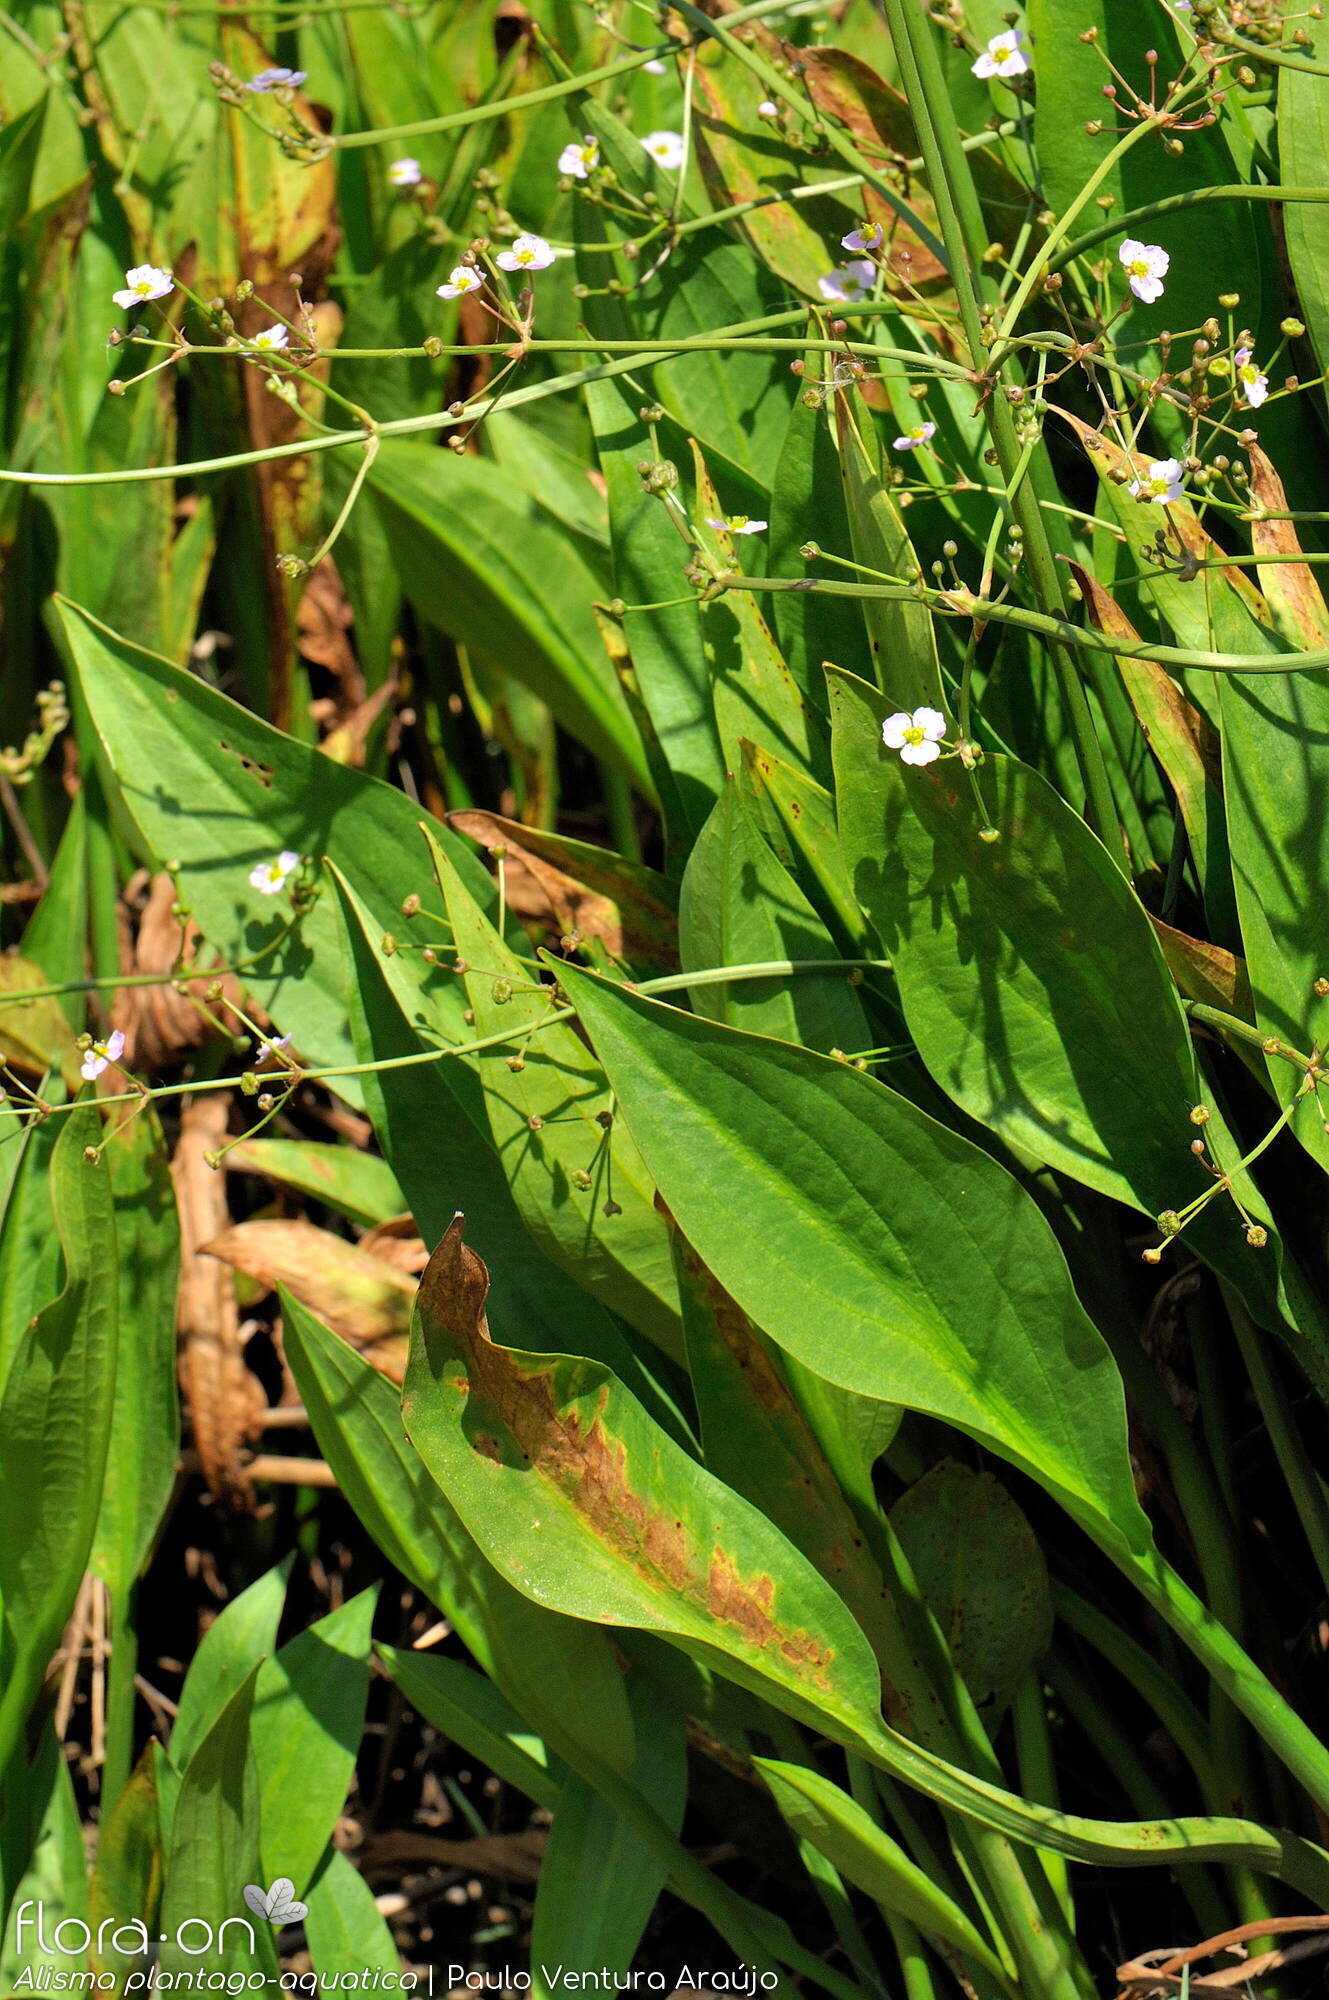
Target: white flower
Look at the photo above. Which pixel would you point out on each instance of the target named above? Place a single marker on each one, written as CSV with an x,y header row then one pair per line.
x,y
276,79
768,108
144,282
528,253
102,1054
1254,385
737,524
666,149
921,434
915,736
655,67
1004,55
1160,484
870,237
461,279
405,173
271,341
270,877
1146,265
848,282
579,160
273,1047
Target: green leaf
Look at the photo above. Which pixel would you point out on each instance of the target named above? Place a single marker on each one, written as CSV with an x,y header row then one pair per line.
x,y
1033,949
229,1654
55,1882
471,1711
145,1425
34,1033
213,1850
598,1881
308,1720
55,938
1208,239
479,560
1186,747
982,1576
880,1249
1303,152
357,1185
739,907
431,1122
668,655
754,693
809,488
544,1117
797,815
900,633
126,1874
29,1247
564,1480
211,786
540,1661
780,1436
55,1426
1279,849
820,1812
745,158
344,1931
734,403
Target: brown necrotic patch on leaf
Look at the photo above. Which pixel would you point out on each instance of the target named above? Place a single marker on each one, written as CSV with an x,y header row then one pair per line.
x,y
568,1441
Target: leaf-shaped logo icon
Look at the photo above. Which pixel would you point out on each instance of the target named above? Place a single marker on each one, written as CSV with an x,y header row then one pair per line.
x,y
278,1904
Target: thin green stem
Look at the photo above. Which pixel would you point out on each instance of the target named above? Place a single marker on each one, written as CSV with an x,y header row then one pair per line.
x,y
1178,204
1303,1481
996,611
453,121
673,982
634,355
960,216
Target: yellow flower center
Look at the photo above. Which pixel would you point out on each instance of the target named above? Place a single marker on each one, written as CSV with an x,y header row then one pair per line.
x,y
1138,268
915,736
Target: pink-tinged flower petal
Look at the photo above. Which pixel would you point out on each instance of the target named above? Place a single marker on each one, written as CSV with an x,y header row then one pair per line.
x,y
528,253
921,434
462,279
144,283
1004,55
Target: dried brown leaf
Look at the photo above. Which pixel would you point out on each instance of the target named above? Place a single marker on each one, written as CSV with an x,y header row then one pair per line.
x,y
1290,589
159,1022
587,889
364,1298
223,1400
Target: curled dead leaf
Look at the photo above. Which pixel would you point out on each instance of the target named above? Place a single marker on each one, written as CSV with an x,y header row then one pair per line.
x,y
364,1298
398,1243
223,1401
162,1022
631,910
